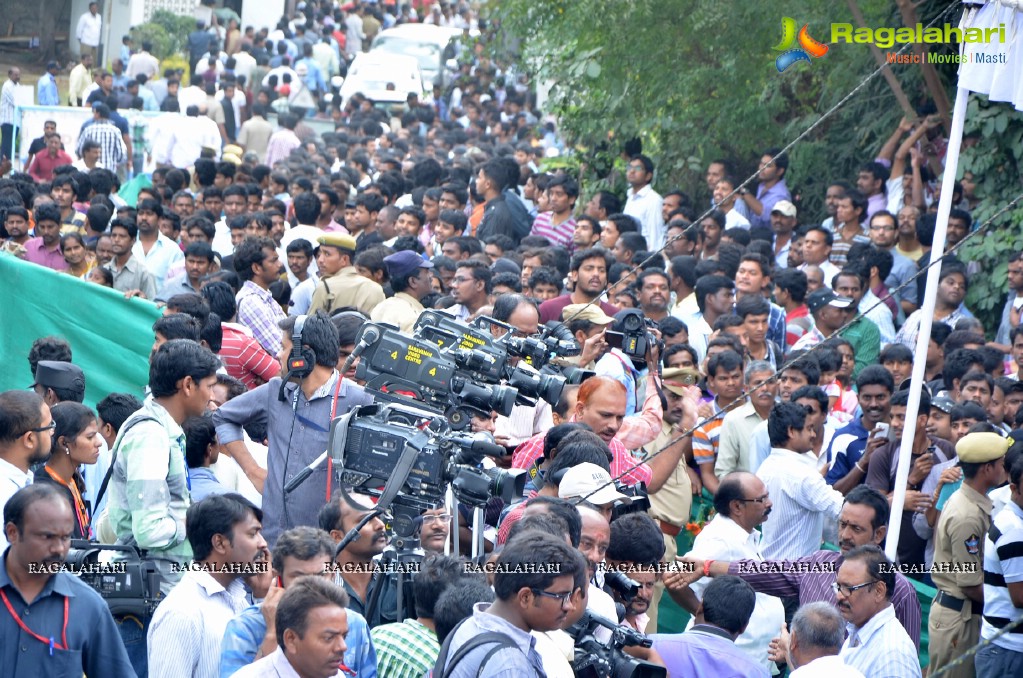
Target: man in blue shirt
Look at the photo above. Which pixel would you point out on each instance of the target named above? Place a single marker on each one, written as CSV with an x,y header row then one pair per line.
x,y
47,87
299,552
708,648
201,451
53,624
850,450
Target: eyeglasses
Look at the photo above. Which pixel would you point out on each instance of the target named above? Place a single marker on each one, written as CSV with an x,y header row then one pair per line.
x,y
635,168
442,518
758,500
565,598
458,280
51,427
849,590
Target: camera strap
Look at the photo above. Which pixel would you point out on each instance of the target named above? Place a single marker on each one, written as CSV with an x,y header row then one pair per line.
x,y
333,412
113,459
46,641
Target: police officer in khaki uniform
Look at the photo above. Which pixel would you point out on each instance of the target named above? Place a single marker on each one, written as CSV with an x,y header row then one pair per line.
x,y
410,279
340,284
954,622
670,506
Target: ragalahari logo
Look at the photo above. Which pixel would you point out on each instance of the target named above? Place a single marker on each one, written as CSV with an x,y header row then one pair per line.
x,y
807,46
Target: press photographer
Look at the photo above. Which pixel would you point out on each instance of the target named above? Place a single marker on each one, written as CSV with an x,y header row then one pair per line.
x,y
296,412
634,553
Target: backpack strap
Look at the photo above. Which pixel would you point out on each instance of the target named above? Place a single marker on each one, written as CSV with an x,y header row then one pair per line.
x,y
113,459
443,668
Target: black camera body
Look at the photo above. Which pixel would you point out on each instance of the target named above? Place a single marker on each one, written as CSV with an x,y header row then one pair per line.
x,y
594,659
639,500
366,445
130,585
636,338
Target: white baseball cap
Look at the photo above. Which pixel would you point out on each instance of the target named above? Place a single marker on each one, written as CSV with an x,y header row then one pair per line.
x,y
583,480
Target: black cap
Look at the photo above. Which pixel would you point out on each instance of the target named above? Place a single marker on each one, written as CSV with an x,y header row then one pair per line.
x,y
818,299
57,374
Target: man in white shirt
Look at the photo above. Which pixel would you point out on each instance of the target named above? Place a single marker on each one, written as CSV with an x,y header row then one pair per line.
x,y
802,498
877,644
742,503
353,31
225,533
818,631
644,203
88,31
143,62
26,432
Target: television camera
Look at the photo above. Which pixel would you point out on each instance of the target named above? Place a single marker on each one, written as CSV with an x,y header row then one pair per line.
x,y
594,659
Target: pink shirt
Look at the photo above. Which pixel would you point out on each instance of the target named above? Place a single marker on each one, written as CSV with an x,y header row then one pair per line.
x,y
37,253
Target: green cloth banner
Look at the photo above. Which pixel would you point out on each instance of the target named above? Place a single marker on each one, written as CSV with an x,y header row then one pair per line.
x,y
110,336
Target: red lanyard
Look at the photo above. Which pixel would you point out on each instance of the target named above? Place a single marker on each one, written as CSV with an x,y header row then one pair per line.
x,y
46,641
333,411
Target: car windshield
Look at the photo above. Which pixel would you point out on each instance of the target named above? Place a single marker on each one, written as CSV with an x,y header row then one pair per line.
x,y
427,54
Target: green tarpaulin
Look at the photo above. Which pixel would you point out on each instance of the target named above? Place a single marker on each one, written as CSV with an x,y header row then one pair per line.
x,y
110,336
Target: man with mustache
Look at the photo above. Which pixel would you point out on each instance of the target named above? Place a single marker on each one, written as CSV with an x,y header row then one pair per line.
x,y
853,444
312,633
225,533
876,645
654,293
742,504
54,619
863,521
355,567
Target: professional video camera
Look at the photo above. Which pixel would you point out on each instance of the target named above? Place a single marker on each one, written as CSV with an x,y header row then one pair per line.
x,y
594,659
130,585
456,369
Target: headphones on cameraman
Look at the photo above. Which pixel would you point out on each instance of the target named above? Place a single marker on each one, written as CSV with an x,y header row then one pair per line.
x,y
301,360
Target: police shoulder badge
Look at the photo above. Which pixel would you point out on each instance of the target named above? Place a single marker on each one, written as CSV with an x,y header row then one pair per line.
x,y
972,544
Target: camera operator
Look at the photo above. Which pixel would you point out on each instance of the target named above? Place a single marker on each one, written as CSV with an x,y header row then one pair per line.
x,y
53,624
185,637
621,367
297,418
355,567
635,550
529,597
525,421
434,530
299,552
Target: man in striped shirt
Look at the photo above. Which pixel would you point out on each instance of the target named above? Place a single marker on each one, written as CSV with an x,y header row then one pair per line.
x,y
1003,586
258,264
113,152
243,357
558,225
725,380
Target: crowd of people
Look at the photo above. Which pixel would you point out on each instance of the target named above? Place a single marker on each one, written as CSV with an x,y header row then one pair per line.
x,y
773,379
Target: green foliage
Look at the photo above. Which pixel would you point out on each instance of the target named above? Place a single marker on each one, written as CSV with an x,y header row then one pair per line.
x,y
697,81
995,159
167,31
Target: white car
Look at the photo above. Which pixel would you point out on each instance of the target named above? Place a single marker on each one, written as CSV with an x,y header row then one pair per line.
x,y
424,42
382,77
